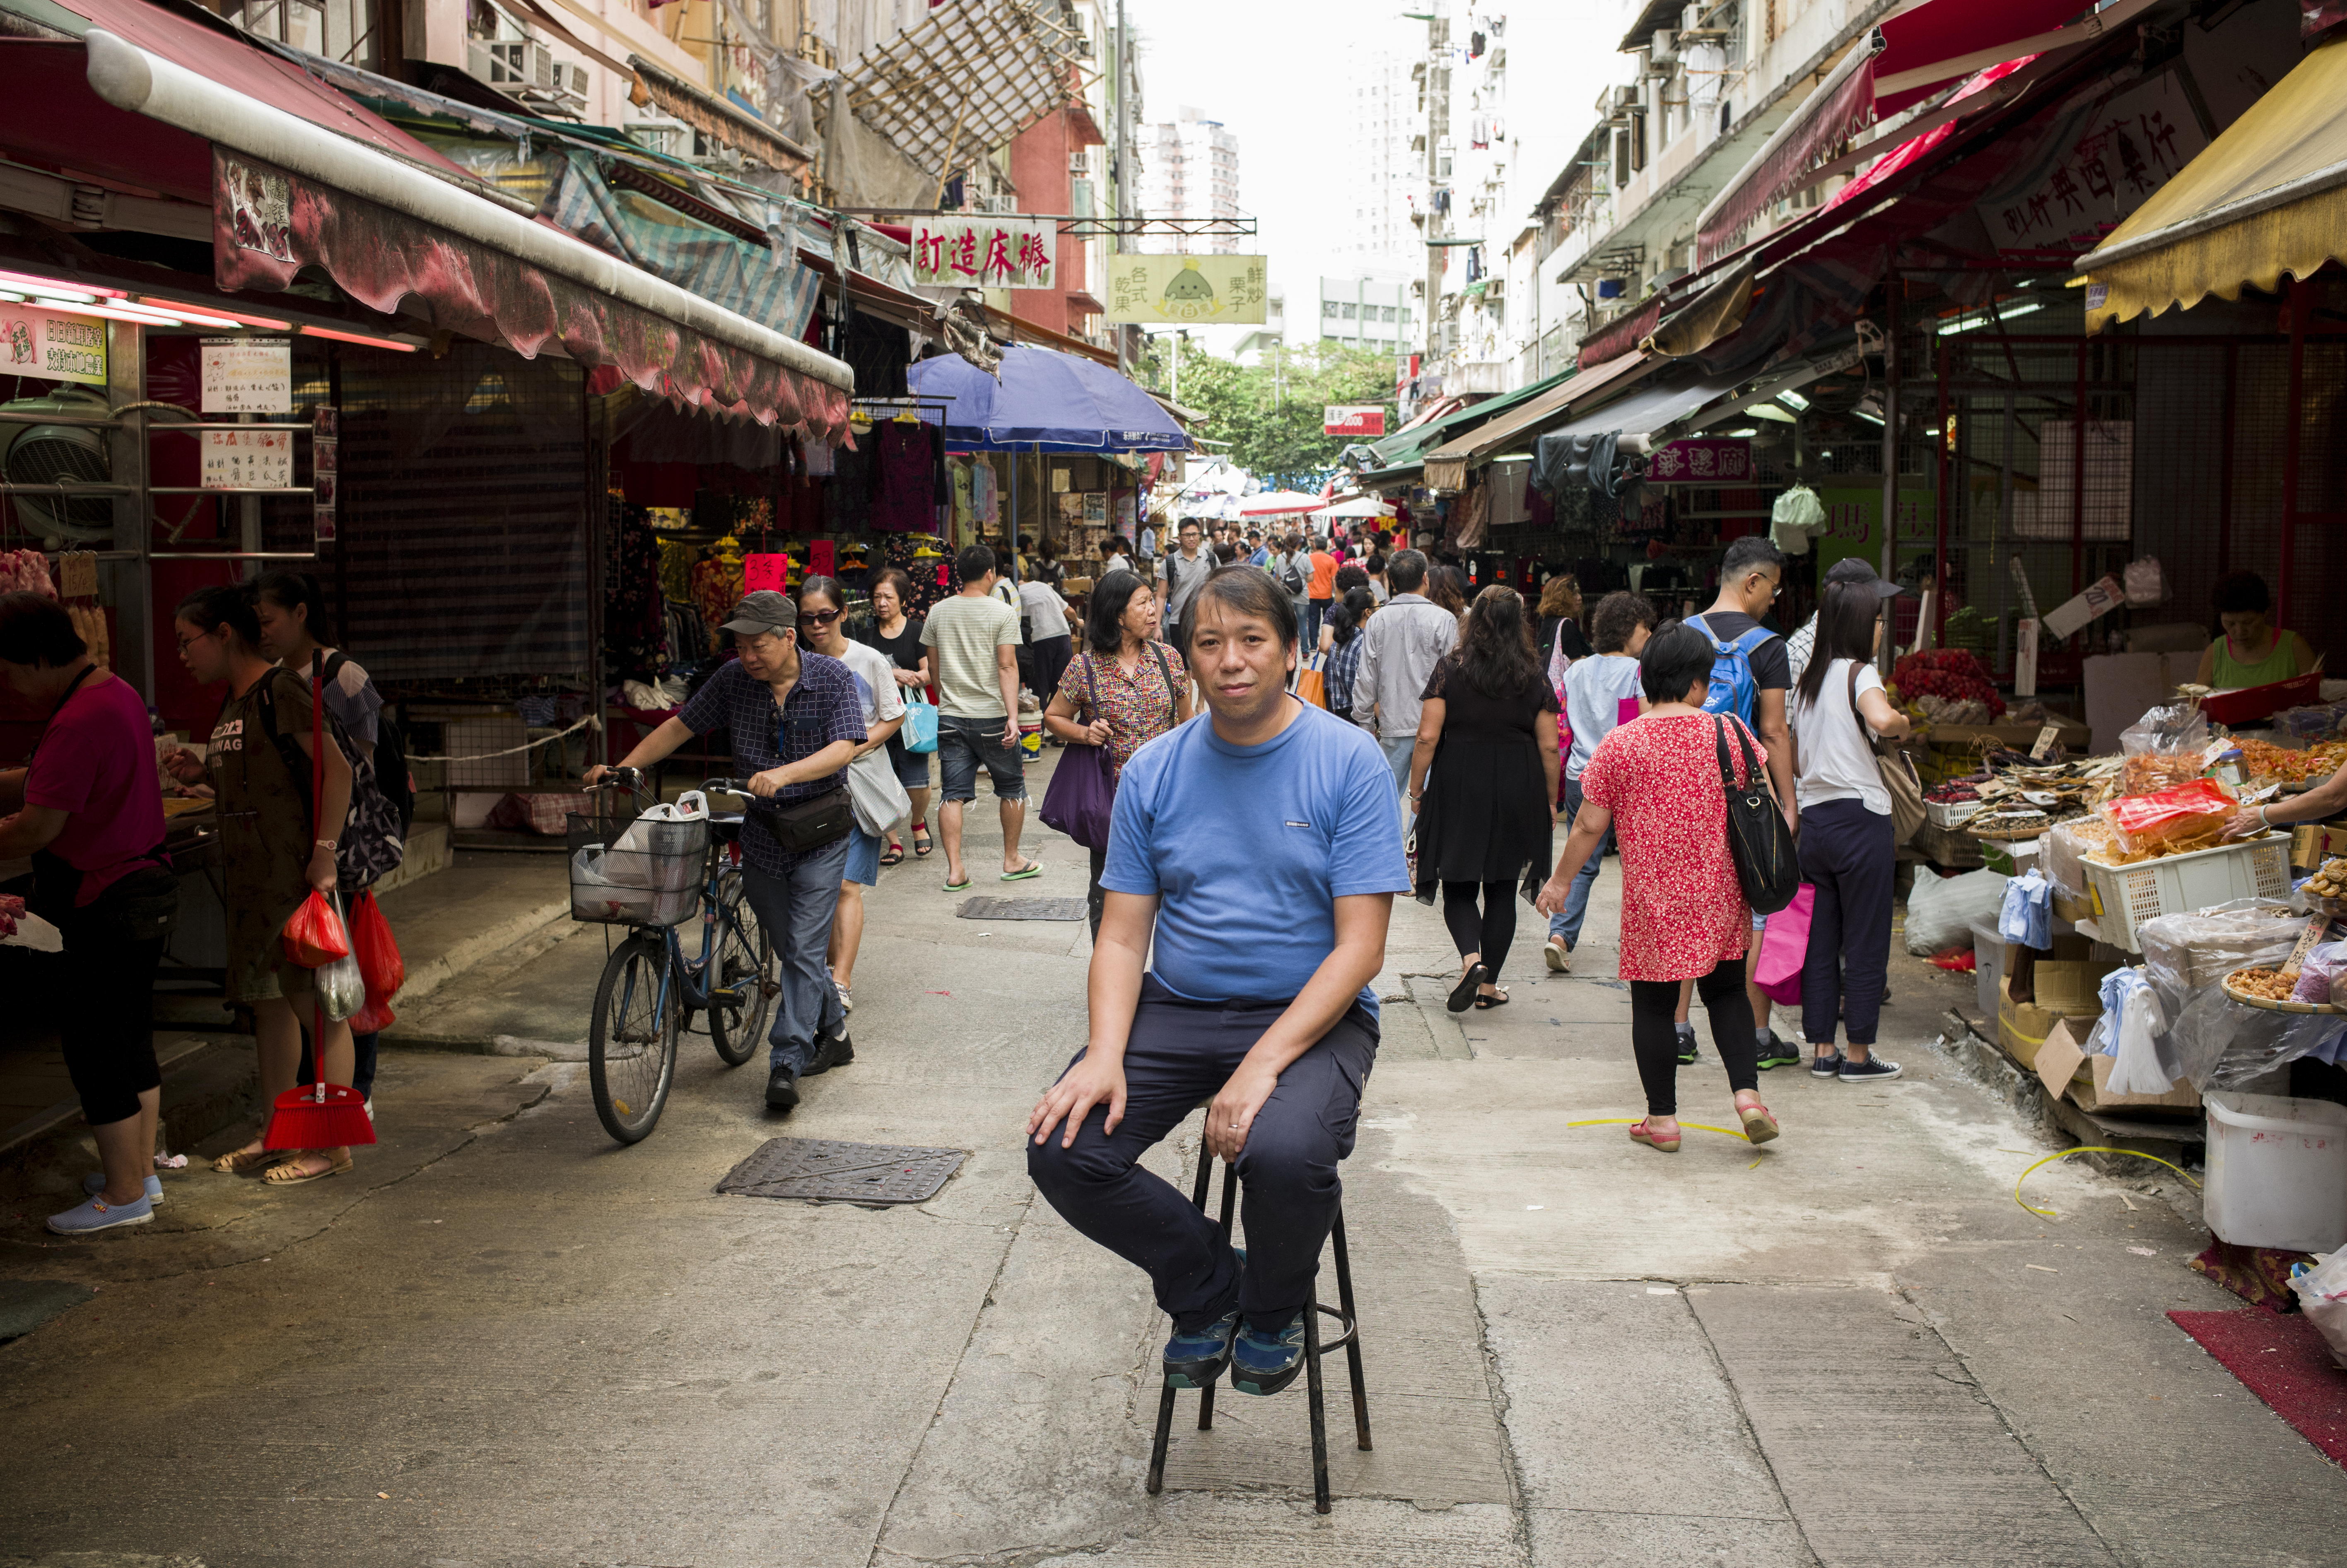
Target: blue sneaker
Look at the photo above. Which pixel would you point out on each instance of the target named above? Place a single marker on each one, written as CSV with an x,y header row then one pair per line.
x,y
95,1183
97,1215
1195,1359
1264,1363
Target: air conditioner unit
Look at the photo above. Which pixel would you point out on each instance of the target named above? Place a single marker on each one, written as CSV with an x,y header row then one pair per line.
x,y
669,137
1080,161
1623,98
1667,46
513,65
570,82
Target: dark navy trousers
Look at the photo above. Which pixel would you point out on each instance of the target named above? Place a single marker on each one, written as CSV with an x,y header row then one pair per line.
x,y
1180,1054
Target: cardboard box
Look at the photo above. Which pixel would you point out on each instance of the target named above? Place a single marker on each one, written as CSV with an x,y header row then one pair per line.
x,y
2072,910
2070,982
2065,1069
2024,1028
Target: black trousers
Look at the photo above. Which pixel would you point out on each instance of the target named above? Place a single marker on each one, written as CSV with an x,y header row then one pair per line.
x,y
1852,855
1654,1007
1051,657
1489,932
108,1031
1181,1052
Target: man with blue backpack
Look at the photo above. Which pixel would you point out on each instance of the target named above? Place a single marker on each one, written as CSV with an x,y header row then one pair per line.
x,y
1751,677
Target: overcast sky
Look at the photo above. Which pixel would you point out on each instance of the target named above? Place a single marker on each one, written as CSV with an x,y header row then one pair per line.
x,y
1271,71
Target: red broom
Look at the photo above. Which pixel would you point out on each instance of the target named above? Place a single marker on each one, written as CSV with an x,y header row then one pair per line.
x,y
322,1115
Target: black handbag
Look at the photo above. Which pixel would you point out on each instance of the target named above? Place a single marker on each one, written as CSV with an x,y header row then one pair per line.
x,y
813,823
1757,838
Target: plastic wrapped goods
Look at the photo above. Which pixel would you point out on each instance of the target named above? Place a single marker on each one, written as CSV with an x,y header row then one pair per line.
x,y
1941,909
2164,748
2322,975
2199,948
2173,821
2130,1031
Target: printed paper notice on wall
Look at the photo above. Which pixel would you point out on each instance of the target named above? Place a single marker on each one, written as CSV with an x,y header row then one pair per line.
x,y
248,375
260,458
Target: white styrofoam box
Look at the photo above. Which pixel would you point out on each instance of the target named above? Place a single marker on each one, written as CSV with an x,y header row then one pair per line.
x,y
2277,1172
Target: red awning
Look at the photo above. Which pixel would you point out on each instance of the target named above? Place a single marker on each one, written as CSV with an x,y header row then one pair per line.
x,y
1943,40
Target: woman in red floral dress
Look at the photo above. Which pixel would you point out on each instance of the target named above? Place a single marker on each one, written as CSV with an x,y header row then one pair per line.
x,y
1655,781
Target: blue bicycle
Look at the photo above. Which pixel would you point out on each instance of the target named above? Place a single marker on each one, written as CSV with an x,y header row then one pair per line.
x,y
652,877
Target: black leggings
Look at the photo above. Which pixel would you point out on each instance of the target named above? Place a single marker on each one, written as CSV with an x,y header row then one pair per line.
x,y
1487,933
108,1033
1654,1035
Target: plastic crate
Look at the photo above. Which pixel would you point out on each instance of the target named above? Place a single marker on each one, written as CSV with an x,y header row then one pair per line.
x,y
1950,813
2125,897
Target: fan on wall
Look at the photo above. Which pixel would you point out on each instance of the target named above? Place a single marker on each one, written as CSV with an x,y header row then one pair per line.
x,y
59,454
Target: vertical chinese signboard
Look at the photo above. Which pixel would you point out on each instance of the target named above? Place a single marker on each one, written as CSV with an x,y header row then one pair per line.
x,y
986,252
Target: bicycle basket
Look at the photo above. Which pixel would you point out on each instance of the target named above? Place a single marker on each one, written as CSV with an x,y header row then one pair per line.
x,y
636,873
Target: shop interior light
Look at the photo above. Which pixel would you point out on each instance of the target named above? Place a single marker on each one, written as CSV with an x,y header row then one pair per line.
x,y
211,315
182,313
1988,318
359,338
118,312
77,292
1749,430
1794,401
1769,411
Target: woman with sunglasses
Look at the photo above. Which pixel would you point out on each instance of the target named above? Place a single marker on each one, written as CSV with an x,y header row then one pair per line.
x,y
823,626
897,635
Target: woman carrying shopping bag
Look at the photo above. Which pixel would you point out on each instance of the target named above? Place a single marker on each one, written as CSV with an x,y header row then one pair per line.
x,y
270,853
1123,690
1655,783
1848,847
822,610
898,636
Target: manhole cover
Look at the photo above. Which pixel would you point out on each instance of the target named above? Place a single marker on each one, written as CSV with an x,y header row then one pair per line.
x,y
825,1172
985,909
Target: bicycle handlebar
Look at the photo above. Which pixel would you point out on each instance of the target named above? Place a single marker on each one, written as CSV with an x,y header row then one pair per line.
x,y
727,786
617,777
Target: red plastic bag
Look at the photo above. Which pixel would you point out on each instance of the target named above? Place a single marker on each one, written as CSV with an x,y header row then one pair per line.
x,y
374,1018
2187,813
313,934
379,959
1959,960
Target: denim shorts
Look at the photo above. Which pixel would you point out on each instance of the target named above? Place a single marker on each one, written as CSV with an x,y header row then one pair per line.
x,y
912,769
963,744
863,859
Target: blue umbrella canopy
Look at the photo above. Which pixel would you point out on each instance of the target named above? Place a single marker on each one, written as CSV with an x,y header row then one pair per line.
x,y
1059,402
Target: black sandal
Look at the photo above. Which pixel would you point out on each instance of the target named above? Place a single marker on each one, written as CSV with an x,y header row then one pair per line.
x,y
1483,1002
1462,995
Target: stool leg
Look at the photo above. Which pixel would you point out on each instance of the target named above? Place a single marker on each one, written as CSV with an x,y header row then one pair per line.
x,y
1164,1437
1230,1196
1319,1411
1352,1346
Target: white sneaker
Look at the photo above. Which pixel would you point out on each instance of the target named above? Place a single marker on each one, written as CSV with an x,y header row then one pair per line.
x,y
1557,955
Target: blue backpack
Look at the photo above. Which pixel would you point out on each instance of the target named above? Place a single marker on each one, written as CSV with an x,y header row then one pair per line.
x,y
1733,688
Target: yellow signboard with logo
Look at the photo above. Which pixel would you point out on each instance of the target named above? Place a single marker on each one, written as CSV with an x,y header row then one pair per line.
x,y
1185,291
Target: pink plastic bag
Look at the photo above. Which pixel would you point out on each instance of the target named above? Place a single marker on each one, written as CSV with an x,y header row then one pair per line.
x,y
1785,949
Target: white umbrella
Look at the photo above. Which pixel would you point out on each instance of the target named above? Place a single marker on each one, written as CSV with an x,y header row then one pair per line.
x,y
1359,507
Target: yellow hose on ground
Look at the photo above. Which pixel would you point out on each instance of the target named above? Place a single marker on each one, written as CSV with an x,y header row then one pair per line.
x,y
1633,1121
2088,1148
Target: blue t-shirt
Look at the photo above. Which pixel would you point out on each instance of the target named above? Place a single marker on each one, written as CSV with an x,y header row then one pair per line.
x,y
1249,848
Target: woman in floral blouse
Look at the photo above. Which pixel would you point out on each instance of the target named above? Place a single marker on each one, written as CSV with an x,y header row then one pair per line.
x,y
1123,690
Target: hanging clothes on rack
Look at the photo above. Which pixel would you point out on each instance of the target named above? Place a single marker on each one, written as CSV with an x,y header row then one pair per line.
x,y
635,633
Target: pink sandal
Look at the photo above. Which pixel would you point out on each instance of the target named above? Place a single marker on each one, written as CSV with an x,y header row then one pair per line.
x,y
1638,1135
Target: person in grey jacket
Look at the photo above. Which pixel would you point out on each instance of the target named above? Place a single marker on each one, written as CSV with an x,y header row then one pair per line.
x,y
1404,642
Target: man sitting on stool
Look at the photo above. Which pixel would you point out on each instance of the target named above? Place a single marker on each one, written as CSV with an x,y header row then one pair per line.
x,y
1263,847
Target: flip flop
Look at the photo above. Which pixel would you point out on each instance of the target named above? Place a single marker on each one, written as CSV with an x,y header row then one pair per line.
x,y
1032,868
1483,1002
960,886
894,856
1462,995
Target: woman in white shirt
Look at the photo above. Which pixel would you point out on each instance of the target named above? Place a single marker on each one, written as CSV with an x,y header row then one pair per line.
x,y
822,628
1848,849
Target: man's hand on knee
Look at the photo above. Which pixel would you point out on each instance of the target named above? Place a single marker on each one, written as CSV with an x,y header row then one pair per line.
x,y
1086,1084
1232,1116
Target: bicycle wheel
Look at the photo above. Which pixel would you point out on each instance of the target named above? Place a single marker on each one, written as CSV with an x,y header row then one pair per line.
x,y
631,1044
743,965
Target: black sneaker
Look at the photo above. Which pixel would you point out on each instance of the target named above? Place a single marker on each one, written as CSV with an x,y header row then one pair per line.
x,y
782,1088
1776,1054
1826,1065
1874,1067
831,1050
1686,1048
1196,1358
1266,1362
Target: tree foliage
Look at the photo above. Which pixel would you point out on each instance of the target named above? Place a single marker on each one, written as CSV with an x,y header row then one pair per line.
x,y
1271,412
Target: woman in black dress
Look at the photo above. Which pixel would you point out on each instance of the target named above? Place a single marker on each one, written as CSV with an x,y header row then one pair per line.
x,y
1484,780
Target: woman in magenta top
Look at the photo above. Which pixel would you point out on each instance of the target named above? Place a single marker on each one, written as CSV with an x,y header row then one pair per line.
x,y
89,813
1655,783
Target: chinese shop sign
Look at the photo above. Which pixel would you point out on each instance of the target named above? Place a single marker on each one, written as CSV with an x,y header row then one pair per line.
x,y
1350,419
986,252
1701,460
54,344
1182,289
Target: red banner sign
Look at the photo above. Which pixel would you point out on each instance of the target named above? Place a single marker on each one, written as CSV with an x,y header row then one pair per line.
x,y
1348,419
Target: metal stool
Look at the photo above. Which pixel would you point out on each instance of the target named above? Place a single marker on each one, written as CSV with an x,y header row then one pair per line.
x,y
1348,1337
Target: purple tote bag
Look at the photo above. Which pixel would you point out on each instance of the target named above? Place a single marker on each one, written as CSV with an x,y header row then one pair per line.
x,y
1082,796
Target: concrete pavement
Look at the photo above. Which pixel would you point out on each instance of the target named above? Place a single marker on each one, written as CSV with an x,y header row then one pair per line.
x,y
505,1341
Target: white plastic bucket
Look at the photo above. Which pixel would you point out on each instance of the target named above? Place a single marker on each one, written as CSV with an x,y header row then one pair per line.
x,y
2277,1172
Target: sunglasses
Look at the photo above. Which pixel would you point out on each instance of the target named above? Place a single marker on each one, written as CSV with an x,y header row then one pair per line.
x,y
818,616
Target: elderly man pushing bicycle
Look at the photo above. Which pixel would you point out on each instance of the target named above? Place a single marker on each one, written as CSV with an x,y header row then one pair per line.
x,y
795,721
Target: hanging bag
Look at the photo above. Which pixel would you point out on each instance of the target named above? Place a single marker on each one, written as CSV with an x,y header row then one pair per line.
x,y
921,730
1899,779
1312,680
1082,796
1757,839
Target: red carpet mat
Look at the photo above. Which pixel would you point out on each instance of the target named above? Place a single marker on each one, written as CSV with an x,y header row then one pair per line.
x,y
2283,1361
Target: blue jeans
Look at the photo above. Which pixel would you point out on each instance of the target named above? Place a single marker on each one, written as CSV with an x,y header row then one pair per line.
x,y
1180,1052
796,909
1566,922
1397,750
